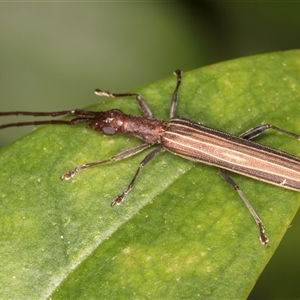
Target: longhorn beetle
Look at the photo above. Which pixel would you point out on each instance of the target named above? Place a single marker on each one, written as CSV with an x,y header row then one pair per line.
x,y
185,138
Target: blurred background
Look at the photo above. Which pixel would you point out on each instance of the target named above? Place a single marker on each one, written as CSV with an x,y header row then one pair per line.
x,y
53,56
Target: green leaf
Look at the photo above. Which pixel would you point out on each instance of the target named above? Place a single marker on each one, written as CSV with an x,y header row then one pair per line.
x,y
182,232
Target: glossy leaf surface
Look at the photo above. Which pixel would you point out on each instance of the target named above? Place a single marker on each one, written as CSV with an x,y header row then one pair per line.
x,y
182,232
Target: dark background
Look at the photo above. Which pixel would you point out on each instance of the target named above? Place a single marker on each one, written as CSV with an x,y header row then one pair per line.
x,y
53,55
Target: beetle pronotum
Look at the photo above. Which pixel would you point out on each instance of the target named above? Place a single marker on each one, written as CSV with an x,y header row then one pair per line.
x,y
185,138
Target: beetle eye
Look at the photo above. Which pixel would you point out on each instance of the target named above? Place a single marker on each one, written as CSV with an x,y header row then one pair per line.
x,y
107,130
